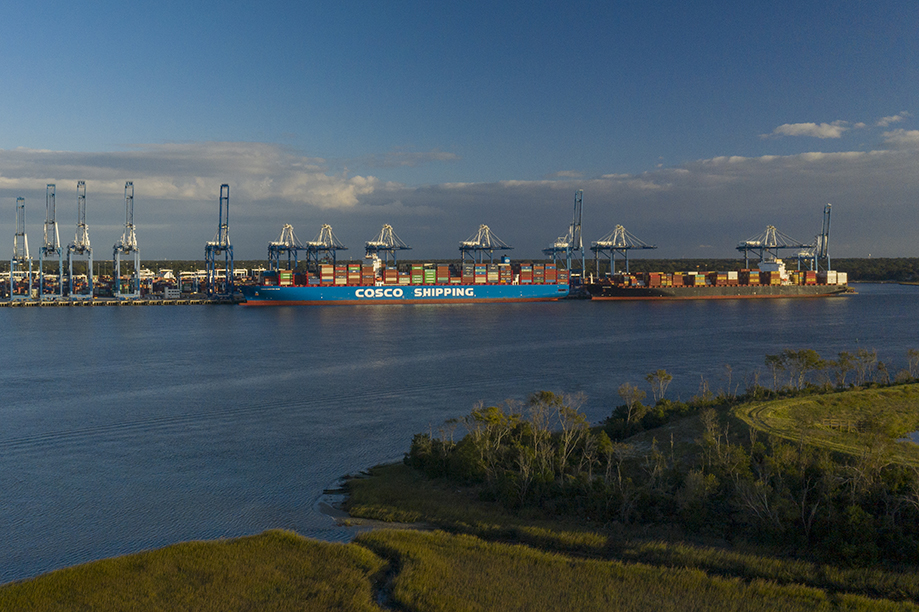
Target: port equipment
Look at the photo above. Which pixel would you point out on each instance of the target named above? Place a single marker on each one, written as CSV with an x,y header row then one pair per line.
x,y
387,243
51,245
220,245
127,246
568,246
768,245
617,241
480,243
80,244
286,243
820,249
21,257
324,247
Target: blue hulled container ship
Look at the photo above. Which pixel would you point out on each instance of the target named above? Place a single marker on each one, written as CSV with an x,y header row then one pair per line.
x,y
355,284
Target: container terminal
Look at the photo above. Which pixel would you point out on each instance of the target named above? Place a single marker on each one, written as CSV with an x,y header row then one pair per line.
x,y
310,273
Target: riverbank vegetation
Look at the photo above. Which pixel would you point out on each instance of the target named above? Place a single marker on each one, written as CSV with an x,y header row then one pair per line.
x,y
794,493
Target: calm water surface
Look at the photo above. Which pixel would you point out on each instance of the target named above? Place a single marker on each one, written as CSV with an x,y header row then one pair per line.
x,y
129,428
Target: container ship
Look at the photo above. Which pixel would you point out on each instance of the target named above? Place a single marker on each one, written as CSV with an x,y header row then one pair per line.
x,y
356,283
770,280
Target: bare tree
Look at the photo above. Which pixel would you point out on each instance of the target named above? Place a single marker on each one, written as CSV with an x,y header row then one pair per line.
x,y
659,382
632,397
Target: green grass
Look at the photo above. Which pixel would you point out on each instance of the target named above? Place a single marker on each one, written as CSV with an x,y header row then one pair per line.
x,y
273,571
849,422
444,572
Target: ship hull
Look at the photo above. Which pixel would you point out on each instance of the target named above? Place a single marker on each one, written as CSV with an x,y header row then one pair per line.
x,y
314,295
601,291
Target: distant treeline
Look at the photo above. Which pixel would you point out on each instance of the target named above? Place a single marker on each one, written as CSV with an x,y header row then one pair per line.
x,y
880,269
890,269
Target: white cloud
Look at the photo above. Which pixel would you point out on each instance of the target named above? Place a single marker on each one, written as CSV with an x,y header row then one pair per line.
x,y
902,138
190,171
815,130
567,174
886,121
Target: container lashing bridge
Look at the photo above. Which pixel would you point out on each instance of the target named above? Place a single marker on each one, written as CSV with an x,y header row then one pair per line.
x,y
127,246
619,241
51,246
568,246
80,244
387,243
220,245
480,243
21,262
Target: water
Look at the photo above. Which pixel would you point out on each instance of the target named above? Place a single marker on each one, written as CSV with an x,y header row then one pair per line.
x,y
123,429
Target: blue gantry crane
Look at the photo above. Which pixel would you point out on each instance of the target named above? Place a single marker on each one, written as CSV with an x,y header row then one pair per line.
x,y
80,244
220,245
568,247
127,246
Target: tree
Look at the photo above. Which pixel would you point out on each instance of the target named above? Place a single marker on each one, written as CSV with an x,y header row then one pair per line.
x,y
841,367
864,363
912,356
775,365
659,382
632,397
799,363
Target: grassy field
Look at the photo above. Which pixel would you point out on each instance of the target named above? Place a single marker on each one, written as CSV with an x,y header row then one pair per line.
x,y
445,572
849,422
273,571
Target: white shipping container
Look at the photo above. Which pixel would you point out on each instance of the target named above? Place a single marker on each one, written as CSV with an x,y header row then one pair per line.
x,y
842,278
732,274
831,277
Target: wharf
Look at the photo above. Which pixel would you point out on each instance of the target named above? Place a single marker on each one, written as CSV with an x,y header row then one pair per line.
x,y
86,303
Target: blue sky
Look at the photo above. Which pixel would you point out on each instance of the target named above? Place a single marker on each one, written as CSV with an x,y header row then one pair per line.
x,y
693,124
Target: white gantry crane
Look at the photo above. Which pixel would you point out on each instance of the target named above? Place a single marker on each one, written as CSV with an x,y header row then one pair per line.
x,y
480,243
80,244
617,241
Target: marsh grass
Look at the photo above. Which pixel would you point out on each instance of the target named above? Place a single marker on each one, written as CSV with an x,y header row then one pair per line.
x,y
276,570
397,489
445,572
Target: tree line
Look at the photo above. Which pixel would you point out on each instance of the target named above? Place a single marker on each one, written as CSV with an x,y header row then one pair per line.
x,y
544,456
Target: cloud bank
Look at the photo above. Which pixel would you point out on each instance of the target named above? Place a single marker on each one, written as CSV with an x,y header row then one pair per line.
x,y
698,209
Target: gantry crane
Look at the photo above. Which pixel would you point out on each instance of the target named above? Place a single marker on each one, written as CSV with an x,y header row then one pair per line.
x,y
480,243
387,243
127,245
51,245
286,243
768,245
80,244
618,241
820,250
220,245
569,245
21,257
324,247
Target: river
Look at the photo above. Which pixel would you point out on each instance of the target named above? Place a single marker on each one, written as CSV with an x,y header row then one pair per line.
x,y
123,429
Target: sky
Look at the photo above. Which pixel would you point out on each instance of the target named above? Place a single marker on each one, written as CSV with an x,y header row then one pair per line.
x,y
694,125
